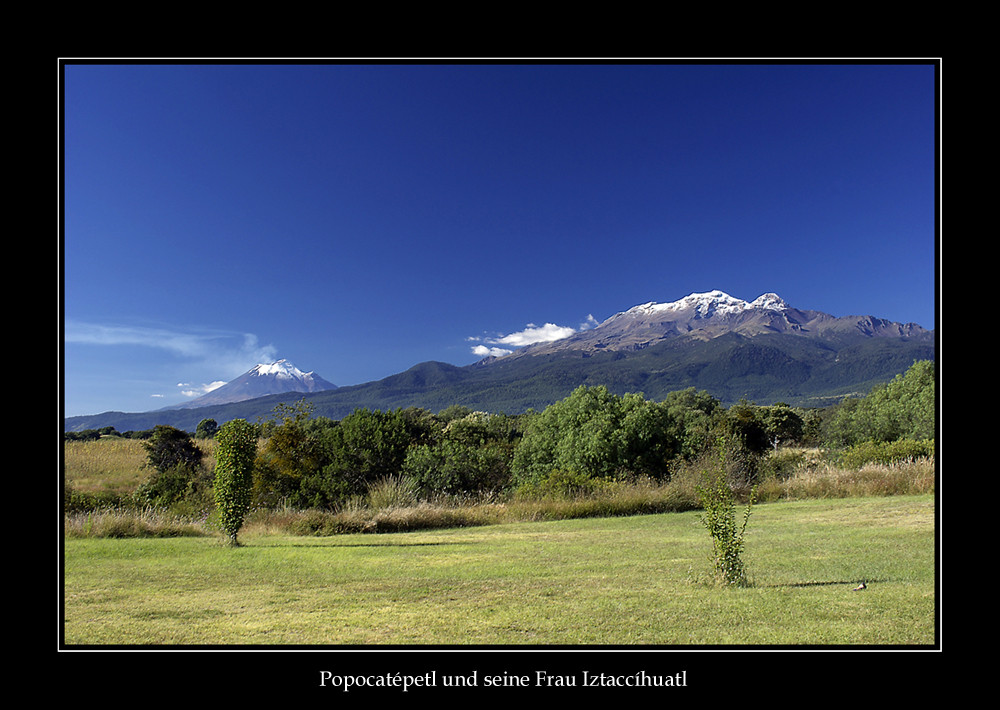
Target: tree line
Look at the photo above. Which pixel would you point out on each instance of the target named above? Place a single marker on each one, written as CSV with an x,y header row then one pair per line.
x,y
304,461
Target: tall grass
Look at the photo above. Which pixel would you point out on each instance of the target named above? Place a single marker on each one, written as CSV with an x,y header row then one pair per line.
x,y
112,464
108,465
131,522
829,480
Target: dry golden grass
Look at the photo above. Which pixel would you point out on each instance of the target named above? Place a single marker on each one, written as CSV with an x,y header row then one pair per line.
x,y
119,523
112,464
830,481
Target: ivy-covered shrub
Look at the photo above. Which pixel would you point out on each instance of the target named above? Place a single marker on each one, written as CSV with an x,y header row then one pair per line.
x,y
234,474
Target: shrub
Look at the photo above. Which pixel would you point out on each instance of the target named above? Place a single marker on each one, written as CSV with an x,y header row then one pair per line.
x,y
75,501
454,467
719,517
178,483
168,447
598,433
234,474
782,464
886,452
563,484
904,408
742,442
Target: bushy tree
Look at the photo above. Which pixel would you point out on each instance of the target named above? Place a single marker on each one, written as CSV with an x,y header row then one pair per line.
x,y
693,415
168,447
595,432
368,445
782,424
206,429
290,452
234,474
743,439
364,447
472,455
904,408
422,425
183,482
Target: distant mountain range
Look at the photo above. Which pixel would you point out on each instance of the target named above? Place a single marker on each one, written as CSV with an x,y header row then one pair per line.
x,y
762,350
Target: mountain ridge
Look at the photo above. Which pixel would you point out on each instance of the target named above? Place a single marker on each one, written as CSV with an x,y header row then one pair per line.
x,y
763,351
710,314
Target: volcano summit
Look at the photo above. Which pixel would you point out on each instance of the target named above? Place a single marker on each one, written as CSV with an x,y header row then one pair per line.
x,y
264,379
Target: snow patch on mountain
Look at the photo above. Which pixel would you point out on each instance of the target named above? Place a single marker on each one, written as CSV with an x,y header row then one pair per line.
x,y
708,304
282,369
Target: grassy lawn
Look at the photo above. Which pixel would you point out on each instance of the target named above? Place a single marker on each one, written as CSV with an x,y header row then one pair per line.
x,y
616,581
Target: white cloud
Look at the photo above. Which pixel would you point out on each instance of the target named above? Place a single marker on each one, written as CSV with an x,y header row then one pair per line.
x,y
189,390
535,334
483,351
529,336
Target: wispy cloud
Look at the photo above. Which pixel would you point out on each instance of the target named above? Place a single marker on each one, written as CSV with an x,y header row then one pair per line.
x,y
225,352
189,390
529,336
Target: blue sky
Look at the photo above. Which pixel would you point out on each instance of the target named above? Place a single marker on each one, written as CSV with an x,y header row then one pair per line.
x,y
357,220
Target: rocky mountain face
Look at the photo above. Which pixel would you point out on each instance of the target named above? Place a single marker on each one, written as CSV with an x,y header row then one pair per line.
x,y
704,316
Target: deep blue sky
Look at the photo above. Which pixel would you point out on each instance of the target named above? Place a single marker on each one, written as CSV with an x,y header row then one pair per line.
x,y
357,220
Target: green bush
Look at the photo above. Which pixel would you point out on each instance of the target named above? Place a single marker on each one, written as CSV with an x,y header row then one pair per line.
x,y
563,484
885,452
781,464
901,409
75,501
454,467
183,482
234,474
169,447
719,518
599,433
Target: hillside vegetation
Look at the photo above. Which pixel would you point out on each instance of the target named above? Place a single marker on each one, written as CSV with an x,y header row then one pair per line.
x,y
593,453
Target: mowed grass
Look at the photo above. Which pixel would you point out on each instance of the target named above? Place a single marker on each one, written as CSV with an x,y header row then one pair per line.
x,y
639,580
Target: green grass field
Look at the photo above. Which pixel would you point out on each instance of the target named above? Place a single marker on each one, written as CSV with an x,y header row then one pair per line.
x,y
639,580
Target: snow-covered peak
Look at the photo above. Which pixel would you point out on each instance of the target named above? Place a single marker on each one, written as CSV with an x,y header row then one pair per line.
x,y
710,303
282,369
770,301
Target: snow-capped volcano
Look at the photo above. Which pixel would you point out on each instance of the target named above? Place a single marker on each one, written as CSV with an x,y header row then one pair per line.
x,y
708,315
263,379
281,370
